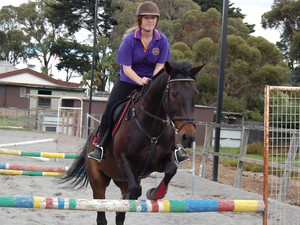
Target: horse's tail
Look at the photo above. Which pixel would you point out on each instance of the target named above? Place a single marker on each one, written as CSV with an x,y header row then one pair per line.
x,y
76,175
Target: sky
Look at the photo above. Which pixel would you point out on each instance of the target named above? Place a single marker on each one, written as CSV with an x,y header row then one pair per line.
x,y
253,9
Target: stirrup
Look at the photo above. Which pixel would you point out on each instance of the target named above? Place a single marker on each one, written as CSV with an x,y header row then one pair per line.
x,y
97,154
180,158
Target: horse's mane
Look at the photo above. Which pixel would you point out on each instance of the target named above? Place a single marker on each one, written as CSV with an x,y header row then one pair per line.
x,y
182,67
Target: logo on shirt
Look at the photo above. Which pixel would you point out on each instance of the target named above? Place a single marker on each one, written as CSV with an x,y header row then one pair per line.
x,y
155,51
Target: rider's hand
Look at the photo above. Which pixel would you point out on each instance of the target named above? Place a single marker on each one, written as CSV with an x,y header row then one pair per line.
x,y
143,81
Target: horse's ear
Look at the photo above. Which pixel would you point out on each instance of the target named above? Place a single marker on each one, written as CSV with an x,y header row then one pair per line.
x,y
168,67
197,69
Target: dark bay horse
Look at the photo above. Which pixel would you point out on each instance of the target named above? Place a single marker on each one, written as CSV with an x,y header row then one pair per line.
x,y
144,142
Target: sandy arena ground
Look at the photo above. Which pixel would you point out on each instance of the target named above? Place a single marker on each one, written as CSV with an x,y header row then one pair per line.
x,y
179,188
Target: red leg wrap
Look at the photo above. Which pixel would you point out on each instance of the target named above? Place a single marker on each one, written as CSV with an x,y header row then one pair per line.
x,y
160,191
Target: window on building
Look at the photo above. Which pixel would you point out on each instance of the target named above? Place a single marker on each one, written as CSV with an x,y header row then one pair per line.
x,y
68,103
22,91
2,89
50,129
44,101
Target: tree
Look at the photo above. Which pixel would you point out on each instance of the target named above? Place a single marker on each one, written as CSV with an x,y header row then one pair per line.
x,y
174,9
285,16
205,50
218,5
76,15
233,12
79,15
13,41
43,34
170,10
250,61
13,46
125,15
180,51
106,67
73,57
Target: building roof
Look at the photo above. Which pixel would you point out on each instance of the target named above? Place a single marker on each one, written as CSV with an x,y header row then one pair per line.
x,y
6,66
31,77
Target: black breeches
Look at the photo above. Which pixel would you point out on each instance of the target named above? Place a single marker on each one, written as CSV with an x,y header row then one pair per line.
x,y
119,92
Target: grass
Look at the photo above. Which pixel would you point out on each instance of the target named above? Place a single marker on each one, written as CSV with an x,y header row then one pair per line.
x,y
251,166
236,152
17,122
233,162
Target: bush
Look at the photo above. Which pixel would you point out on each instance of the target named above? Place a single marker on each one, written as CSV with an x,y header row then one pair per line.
x,y
256,148
256,116
253,168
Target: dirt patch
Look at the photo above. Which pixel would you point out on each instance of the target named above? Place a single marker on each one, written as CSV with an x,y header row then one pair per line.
x,y
251,181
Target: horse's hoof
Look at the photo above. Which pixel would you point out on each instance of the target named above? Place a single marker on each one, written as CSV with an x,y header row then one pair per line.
x,y
149,194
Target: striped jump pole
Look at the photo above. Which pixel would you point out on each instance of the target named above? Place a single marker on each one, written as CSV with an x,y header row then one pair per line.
x,y
28,143
166,206
9,166
39,154
31,173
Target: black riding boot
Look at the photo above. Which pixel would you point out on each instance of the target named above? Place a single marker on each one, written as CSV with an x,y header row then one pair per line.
x,y
180,155
98,154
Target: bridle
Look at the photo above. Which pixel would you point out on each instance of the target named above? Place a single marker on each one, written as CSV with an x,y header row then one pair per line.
x,y
187,120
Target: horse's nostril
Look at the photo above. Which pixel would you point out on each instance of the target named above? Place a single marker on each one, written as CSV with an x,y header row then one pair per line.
x,y
187,140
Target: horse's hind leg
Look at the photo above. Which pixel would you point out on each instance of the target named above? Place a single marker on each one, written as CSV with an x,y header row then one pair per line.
x,y
120,216
160,191
99,183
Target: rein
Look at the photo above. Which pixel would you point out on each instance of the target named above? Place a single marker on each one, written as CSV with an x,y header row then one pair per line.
x,y
172,119
167,122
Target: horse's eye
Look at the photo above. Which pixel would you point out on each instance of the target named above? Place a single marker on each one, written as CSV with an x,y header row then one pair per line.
x,y
174,94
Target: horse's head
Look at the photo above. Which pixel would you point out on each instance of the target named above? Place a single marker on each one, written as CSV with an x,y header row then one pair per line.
x,y
180,99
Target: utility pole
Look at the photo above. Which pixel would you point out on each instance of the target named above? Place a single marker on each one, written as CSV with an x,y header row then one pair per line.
x,y
220,89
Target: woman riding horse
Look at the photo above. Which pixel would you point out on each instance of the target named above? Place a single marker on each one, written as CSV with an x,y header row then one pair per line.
x,y
141,55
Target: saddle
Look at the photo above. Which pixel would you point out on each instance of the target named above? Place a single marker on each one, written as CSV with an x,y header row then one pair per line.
x,y
118,112
121,111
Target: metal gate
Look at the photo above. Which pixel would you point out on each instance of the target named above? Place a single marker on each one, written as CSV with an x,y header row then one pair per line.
x,y
69,126
282,159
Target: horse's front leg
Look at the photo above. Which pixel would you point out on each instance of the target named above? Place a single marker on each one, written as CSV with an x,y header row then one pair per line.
x,y
160,191
134,187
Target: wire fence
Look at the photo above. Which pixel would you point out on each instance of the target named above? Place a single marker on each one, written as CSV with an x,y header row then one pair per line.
x,y
282,139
